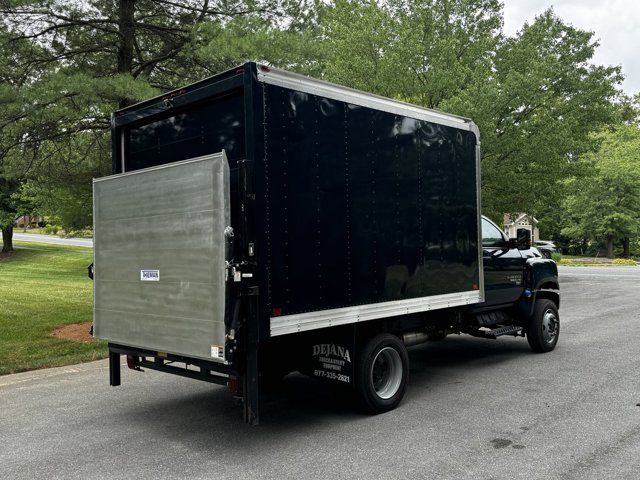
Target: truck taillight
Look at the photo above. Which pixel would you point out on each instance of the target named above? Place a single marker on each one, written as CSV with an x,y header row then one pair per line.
x,y
132,362
233,385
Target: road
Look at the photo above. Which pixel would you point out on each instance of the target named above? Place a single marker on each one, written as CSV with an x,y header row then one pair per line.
x,y
36,237
476,409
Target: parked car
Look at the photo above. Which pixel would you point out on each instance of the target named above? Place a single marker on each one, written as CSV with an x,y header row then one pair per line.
x,y
545,247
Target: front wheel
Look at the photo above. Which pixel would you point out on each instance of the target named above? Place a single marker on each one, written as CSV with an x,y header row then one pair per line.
x,y
382,370
544,326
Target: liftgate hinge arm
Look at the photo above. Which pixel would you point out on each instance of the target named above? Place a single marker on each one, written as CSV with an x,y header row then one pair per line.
x,y
238,271
234,271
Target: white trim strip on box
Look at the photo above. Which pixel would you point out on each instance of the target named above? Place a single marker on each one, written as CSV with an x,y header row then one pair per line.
x,y
313,86
301,322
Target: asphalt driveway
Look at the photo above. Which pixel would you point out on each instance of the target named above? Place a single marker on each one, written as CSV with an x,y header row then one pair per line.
x,y
476,409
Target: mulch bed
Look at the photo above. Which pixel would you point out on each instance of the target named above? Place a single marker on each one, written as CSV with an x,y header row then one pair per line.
x,y
78,332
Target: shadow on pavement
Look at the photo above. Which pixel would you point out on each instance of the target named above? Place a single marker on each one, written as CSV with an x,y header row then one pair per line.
x,y
212,418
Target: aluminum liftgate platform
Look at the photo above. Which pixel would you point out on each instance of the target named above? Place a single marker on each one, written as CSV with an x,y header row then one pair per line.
x,y
159,257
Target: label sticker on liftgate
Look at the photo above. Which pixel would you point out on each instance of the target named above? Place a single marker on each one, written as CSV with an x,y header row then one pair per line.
x,y
150,275
217,351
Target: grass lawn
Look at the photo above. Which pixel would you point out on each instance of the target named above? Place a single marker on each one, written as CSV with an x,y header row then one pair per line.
x,y
43,287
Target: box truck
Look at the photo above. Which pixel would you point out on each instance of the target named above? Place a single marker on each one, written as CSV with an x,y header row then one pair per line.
x,y
261,222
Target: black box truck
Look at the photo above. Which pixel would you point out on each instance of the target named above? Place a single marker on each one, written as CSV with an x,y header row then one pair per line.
x,y
260,222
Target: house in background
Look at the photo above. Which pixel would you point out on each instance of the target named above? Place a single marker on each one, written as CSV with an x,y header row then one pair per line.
x,y
28,221
521,220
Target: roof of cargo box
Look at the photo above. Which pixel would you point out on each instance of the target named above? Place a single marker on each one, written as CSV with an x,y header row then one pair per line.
x,y
232,79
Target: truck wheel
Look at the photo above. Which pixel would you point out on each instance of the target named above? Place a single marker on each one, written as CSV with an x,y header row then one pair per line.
x,y
544,327
382,369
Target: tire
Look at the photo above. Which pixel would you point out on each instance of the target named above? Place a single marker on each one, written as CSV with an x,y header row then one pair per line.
x,y
382,370
544,326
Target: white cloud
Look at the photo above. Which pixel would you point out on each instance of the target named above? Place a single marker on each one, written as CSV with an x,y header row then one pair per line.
x,y
616,23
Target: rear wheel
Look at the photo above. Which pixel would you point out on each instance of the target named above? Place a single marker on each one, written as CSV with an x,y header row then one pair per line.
x,y
544,326
382,370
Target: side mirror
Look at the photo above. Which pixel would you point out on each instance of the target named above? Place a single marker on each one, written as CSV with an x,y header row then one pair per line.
x,y
523,240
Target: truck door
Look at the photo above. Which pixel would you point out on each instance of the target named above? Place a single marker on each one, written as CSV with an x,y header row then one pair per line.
x,y
503,266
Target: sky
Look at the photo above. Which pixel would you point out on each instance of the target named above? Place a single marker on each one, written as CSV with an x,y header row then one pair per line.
x,y
616,23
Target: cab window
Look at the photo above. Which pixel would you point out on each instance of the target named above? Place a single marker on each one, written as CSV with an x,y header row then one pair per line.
x,y
491,235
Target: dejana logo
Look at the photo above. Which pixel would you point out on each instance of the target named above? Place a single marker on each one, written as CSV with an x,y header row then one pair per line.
x,y
150,275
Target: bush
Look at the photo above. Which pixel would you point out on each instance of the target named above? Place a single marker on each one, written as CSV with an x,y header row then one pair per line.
x,y
51,229
624,261
557,257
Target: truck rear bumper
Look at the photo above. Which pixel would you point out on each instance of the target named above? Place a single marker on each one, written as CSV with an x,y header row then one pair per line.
x,y
198,369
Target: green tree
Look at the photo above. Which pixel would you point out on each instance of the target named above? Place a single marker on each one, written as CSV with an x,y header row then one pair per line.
x,y
12,206
422,51
536,112
12,138
441,48
65,66
602,205
291,42
354,42
536,96
8,212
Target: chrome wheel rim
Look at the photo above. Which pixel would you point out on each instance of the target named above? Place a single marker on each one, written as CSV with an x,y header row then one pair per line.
x,y
386,373
550,326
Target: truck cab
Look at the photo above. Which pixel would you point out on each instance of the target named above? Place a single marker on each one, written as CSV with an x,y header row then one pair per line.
x,y
518,282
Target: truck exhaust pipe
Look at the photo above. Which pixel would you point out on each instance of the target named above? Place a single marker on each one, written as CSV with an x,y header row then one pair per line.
x,y
414,338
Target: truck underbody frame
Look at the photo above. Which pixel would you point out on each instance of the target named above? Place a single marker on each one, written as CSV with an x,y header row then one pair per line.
x,y
212,372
